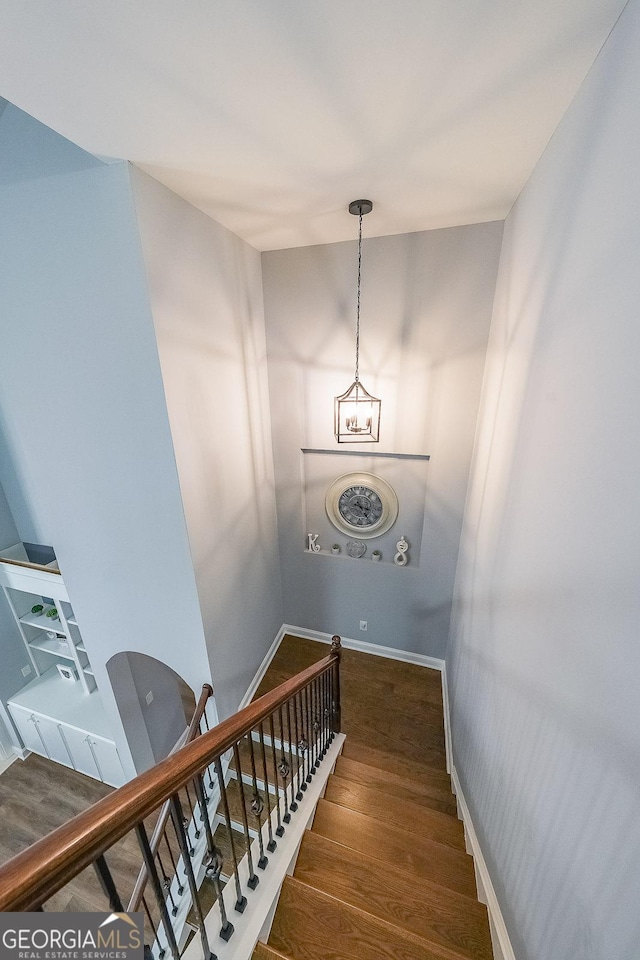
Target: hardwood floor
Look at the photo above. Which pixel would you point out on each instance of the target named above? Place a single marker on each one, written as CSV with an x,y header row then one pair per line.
x,y
36,797
383,873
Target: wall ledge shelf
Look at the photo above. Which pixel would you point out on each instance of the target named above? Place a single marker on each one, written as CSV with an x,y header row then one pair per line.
x,y
367,453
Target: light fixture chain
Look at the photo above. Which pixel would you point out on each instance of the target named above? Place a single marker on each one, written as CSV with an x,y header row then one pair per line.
x,y
357,376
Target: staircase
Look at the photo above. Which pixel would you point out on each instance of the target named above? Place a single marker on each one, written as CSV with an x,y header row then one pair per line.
x,y
383,872
380,872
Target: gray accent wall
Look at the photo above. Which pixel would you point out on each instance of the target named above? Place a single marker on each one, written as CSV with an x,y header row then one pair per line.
x,y
154,728
544,665
205,287
426,308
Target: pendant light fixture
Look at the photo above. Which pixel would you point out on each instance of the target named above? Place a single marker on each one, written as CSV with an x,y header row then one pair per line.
x,y
356,414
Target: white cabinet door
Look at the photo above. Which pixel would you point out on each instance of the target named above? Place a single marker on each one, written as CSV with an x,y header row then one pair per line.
x,y
41,735
106,756
55,746
82,756
25,725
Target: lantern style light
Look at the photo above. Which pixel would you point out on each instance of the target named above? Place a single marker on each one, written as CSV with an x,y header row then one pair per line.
x,y
356,413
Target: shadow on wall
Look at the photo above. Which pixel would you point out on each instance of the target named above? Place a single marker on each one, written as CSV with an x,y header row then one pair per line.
x,y
154,702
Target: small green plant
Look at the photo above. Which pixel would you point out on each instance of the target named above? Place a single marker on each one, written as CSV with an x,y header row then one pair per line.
x,y
37,608
52,613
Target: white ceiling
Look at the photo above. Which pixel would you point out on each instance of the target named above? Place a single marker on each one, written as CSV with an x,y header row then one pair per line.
x,y
270,115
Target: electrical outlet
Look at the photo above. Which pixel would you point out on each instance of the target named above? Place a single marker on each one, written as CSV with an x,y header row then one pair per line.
x,y
149,697
363,625
26,670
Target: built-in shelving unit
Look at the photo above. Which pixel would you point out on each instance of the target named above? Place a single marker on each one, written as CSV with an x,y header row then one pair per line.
x,y
59,713
53,631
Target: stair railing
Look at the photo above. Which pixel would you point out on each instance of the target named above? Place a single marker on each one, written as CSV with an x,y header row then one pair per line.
x,y
160,840
271,750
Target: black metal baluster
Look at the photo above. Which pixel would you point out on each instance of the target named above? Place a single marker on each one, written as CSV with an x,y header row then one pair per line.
x,y
166,883
253,880
148,954
206,724
293,806
152,873
327,709
173,862
193,814
315,725
287,807
215,859
107,884
336,647
323,713
292,704
177,816
271,845
303,743
257,804
241,900
309,716
281,768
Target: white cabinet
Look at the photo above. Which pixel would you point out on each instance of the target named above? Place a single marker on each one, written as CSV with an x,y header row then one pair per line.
x,y
89,753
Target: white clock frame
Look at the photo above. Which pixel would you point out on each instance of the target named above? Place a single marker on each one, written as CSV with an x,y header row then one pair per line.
x,y
384,490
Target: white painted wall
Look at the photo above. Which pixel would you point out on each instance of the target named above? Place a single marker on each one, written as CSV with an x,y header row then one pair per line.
x,y
206,294
426,308
545,658
90,466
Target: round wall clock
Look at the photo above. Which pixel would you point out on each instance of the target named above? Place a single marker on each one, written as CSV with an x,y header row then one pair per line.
x,y
361,505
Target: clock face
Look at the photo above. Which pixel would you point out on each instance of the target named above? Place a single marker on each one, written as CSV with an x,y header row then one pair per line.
x,y
361,505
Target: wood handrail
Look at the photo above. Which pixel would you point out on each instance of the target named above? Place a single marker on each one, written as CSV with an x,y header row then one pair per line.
x,y
30,878
158,830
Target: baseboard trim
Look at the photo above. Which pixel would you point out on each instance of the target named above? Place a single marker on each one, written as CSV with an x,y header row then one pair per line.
x,y
262,669
391,653
5,762
448,743
502,949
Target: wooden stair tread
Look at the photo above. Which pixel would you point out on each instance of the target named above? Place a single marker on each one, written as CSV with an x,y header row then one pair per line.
x,y
436,796
425,909
262,951
311,925
443,828
221,840
422,858
235,804
402,766
405,740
